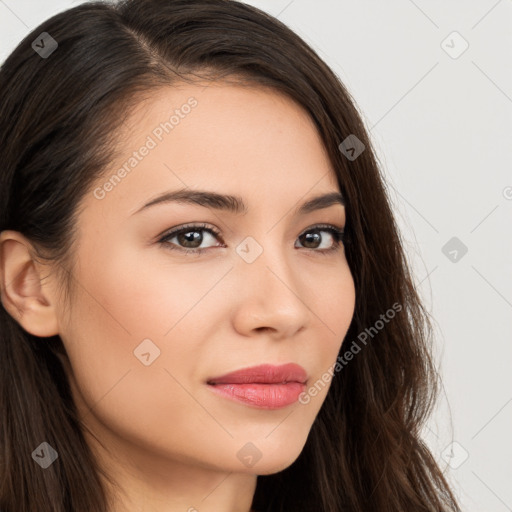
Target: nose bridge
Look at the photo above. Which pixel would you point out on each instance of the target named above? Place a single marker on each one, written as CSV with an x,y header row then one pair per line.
x,y
270,291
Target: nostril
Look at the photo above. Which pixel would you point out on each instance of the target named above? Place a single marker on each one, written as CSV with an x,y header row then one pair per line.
x,y
263,329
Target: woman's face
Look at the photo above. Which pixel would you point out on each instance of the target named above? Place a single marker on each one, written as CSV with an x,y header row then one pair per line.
x,y
151,324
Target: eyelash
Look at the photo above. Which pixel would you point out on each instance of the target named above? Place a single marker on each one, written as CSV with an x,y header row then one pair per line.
x,y
338,233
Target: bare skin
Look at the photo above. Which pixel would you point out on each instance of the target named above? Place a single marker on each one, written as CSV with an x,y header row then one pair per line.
x,y
168,440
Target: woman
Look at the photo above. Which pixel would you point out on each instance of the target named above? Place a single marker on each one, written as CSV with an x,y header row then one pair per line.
x,y
205,302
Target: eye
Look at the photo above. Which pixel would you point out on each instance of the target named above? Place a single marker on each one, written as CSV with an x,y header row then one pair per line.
x,y
312,238
189,238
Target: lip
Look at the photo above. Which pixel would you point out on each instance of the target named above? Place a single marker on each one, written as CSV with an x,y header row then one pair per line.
x,y
265,386
263,374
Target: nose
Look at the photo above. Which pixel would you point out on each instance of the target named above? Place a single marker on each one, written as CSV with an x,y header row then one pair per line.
x,y
270,297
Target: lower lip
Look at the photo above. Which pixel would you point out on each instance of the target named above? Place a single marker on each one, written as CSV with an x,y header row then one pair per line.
x,y
264,396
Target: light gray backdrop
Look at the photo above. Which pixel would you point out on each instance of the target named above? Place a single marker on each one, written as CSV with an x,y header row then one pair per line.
x,y
433,81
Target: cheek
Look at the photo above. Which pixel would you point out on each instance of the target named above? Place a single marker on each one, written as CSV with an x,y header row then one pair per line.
x,y
342,312
125,315
333,307
113,387
331,298
339,302
130,316
141,293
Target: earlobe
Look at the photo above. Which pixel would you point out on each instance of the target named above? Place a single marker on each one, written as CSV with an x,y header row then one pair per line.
x,y
24,293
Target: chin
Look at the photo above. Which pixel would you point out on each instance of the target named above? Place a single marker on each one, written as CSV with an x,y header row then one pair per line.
x,y
276,462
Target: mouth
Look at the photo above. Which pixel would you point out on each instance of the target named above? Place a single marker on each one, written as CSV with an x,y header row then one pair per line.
x,y
264,386
263,374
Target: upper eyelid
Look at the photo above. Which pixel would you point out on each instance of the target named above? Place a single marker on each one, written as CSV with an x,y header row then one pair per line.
x,y
171,233
191,227
216,231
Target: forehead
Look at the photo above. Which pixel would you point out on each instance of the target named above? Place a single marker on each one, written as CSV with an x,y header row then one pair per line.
x,y
250,141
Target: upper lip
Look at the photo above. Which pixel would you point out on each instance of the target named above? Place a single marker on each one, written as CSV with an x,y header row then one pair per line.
x,y
264,373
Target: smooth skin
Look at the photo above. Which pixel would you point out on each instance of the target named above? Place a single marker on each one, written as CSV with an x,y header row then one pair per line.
x,y
169,441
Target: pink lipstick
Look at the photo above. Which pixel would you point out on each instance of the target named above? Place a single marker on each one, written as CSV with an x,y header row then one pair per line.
x,y
265,386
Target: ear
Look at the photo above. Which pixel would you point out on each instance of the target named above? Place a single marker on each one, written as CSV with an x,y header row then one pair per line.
x,y
23,294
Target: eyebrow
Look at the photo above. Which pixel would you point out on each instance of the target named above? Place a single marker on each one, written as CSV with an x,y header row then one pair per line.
x,y
235,204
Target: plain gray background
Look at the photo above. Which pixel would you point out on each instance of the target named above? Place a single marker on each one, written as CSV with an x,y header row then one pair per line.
x,y
440,116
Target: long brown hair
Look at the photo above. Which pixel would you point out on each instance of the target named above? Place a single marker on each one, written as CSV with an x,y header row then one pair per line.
x,y
58,119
